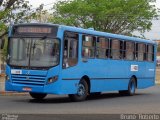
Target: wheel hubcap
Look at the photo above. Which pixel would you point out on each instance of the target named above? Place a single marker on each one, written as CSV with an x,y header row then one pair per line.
x,y
81,90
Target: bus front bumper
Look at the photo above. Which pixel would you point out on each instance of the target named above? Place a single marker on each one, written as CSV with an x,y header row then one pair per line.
x,y
31,88
59,88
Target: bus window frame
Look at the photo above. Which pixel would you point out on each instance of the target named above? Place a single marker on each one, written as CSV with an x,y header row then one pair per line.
x,y
144,53
63,48
29,67
120,50
124,58
93,36
108,40
144,50
153,53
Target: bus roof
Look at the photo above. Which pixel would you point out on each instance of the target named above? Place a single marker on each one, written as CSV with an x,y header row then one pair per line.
x,y
92,32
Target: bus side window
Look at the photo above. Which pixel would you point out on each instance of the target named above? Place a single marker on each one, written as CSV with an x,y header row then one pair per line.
x,y
70,50
141,52
115,49
102,48
88,50
129,50
145,52
121,50
150,53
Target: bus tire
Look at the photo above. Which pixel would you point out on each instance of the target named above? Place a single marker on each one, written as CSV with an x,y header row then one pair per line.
x,y
131,88
82,92
38,96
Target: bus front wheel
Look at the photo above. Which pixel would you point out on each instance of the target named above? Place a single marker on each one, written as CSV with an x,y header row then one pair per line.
x,y
131,88
38,96
82,92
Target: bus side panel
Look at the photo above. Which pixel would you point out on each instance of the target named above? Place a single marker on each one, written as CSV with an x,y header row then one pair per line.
x,y
106,75
70,78
149,78
109,85
62,87
145,83
95,70
114,76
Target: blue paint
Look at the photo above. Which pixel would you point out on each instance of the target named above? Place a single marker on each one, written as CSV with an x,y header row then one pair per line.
x,y
104,74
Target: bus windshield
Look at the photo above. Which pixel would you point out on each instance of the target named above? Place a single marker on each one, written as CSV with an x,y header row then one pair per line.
x,y
33,52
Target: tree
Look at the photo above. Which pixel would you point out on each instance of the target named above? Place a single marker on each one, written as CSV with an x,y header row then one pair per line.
x,y
13,11
18,11
41,15
4,51
115,16
3,13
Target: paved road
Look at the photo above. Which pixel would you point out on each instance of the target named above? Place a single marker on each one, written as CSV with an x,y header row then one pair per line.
x,y
145,101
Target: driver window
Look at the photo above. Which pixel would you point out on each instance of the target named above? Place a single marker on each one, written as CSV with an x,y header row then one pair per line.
x,y
70,50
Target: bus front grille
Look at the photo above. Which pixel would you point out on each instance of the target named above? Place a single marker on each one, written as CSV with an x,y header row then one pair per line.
x,y
28,79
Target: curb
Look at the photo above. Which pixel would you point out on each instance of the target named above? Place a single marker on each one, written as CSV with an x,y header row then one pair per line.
x,y
12,93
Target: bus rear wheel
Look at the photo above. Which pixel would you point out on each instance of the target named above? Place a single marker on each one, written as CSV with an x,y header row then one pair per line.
x,y
38,96
82,92
131,88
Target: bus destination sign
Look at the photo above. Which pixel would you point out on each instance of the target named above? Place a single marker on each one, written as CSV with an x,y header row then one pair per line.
x,y
32,29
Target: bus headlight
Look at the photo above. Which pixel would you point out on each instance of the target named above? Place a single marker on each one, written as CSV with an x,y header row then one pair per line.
x,y
52,79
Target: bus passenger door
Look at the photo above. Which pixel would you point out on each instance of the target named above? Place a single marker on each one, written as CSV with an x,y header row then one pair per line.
x,y
70,62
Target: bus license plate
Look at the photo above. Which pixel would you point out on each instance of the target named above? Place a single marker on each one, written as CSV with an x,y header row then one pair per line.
x,y
27,89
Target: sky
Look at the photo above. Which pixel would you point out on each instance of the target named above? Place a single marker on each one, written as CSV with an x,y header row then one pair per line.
x,y
154,34
36,3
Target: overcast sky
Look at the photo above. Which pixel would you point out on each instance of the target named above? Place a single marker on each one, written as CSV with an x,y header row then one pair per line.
x,y
153,34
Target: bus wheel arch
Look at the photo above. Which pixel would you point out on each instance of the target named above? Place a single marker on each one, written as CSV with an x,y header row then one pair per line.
x,y
135,80
87,79
132,85
82,91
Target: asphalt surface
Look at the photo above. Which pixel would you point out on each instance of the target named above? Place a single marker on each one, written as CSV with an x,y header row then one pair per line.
x,y
145,101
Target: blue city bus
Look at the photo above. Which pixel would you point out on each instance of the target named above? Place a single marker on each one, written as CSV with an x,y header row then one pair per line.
x,y
56,59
